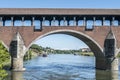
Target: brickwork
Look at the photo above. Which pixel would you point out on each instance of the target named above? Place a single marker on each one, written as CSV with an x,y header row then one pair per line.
x,y
94,37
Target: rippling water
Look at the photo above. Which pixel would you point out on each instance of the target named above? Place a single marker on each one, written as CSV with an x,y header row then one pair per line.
x,y
63,67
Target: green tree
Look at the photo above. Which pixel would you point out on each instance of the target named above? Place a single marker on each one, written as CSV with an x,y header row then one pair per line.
x,y
38,48
4,59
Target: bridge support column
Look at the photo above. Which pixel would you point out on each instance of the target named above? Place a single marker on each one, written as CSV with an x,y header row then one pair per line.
x,y
100,63
112,64
110,50
107,64
17,49
17,64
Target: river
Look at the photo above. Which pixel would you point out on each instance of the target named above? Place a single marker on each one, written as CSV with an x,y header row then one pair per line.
x,y
63,67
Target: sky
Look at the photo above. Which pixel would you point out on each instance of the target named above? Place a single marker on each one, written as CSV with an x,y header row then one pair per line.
x,y
61,41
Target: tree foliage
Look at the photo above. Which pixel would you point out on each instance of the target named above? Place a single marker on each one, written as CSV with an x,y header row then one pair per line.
x,y
35,46
4,58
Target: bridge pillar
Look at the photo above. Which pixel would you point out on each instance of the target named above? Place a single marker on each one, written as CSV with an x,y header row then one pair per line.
x,y
17,49
110,51
100,63
112,64
107,64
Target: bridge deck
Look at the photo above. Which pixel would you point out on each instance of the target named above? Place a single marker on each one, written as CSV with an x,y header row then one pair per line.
x,y
57,11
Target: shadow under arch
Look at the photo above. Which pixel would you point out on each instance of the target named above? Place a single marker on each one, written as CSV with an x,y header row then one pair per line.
x,y
92,44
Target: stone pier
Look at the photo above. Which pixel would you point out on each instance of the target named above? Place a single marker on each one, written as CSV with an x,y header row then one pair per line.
x,y
17,49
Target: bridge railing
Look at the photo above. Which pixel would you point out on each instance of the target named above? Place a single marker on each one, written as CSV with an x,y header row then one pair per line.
x,y
89,21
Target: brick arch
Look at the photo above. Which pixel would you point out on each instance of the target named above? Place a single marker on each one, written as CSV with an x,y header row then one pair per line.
x,y
93,45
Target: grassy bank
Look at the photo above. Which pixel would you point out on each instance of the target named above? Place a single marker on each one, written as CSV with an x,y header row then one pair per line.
x,y
87,53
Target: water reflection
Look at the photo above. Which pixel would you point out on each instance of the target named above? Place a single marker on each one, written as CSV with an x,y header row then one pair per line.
x,y
106,75
100,75
16,75
63,67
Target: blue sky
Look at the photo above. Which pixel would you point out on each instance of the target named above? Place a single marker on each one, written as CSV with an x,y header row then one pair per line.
x,y
60,3
60,41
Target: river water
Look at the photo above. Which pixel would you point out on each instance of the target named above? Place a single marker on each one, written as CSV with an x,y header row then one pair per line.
x,y
63,67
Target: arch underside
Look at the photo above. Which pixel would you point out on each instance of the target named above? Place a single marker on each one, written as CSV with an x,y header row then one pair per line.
x,y
93,45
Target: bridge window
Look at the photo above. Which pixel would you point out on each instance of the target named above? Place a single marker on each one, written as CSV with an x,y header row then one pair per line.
x,y
115,23
63,23
27,23
106,23
17,23
37,24
89,24
98,23
7,23
71,23
46,23
80,23
54,23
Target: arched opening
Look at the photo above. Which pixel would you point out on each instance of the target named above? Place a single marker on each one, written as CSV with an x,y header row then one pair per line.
x,y
98,23
115,23
89,25
37,24
54,23
92,44
18,23
65,63
80,23
7,23
63,23
107,22
27,23
71,23
46,23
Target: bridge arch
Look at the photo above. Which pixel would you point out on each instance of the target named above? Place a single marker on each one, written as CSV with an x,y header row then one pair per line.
x,y
93,45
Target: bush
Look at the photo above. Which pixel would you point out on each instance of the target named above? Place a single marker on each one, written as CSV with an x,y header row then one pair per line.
x,y
4,58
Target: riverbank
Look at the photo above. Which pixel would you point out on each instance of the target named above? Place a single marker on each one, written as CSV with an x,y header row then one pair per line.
x,y
87,53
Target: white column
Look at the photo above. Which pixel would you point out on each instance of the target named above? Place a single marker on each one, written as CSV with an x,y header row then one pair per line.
x,y
94,19
112,23
1,22
53,21
12,21
32,23
43,22
75,23
65,22
84,21
103,22
22,21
